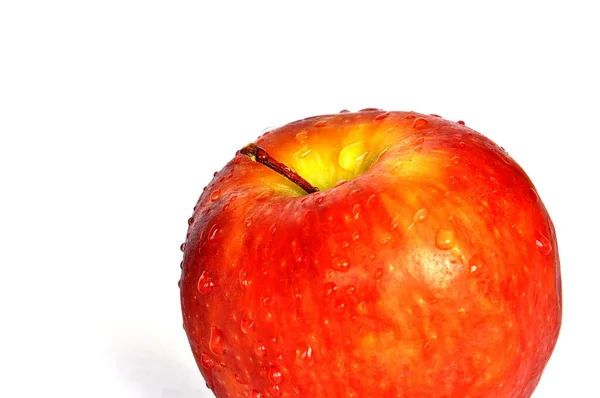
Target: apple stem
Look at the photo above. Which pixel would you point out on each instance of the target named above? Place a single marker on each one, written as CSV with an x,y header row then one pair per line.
x,y
261,156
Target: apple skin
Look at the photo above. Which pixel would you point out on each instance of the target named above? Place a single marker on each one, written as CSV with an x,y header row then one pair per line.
x,y
432,272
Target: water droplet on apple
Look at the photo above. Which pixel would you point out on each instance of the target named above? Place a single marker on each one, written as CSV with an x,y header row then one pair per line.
x,y
356,211
275,375
396,167
273,228
533,194
247,325
182,247
340,263
217,341
206,361
382,116
248,222
344,111
275,390
444,239
302,136
205,283
256,394
340,306
462,145
378,273
419,123
420,216
355,235
321,123
238,378
266,299
418,148
190,220
419,141
461,122
215,195
352,155
370,110
305,356
259,349
455,160
243,278
320,199
543,243
212,233
330,289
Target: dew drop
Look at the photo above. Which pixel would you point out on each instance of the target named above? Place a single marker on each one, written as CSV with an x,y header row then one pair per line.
x,y
215,195
340,263
302,136
340,306
247,325
190,220
461,122
217,341
378,273
205,283
344,111
302,153
305,356
351,156
275,390
320,199
533,195
369,110
273,228
266,299
543,243
340,183
418,148
420,216
238,378
330,289
275,375
248,222
321,123
256,394
462,145
396,167
455,160
444,239
259,349
243,278
419,141
206,361
356,211
355,235
419,123
212,233
382,116
182,247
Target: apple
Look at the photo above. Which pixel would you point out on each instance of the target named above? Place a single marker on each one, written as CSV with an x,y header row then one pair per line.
x,y
371,254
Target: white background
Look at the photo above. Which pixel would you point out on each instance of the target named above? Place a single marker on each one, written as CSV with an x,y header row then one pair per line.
x,y
115,114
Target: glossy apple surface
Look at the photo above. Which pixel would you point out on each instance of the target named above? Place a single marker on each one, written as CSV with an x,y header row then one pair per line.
x,y
425,266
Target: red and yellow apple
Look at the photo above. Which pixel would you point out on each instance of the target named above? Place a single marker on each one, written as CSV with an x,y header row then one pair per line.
x,y
371,254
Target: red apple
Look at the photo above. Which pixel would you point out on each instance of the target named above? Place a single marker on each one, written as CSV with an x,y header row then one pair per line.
x,y
399,255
